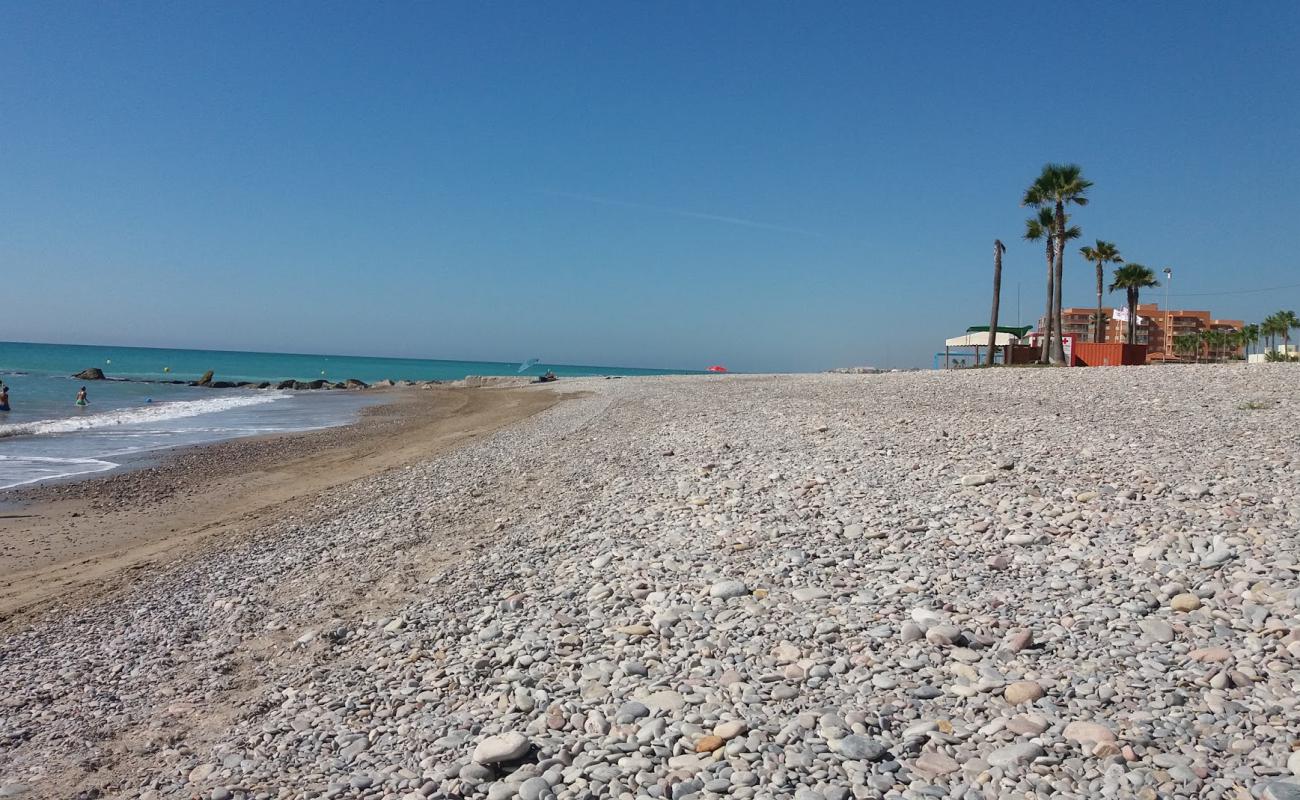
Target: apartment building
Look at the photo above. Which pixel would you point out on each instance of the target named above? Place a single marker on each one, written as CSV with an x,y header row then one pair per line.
x,y
1157,328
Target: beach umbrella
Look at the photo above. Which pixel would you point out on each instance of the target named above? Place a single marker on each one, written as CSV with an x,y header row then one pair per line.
x,y
717,368
530,362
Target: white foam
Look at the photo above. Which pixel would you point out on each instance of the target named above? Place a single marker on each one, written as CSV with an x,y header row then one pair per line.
x,y
22,470
152,413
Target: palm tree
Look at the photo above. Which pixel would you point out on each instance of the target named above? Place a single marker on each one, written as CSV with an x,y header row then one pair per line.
x,y
1102,254
1133,278
998,250
1040,228
1231,344
1057,186
1268,329
1214,341
1286,320
1250,337
1188,344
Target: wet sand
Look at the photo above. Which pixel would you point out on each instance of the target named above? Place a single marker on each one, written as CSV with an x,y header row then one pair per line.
x,y
65,543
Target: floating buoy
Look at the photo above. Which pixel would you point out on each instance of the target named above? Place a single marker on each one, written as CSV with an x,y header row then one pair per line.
x,y
167,369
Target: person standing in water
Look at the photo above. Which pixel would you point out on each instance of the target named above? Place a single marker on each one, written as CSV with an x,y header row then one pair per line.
x,y
81,397
4,397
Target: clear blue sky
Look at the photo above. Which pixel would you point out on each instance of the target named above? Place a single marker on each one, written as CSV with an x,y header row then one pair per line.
x,y
769,186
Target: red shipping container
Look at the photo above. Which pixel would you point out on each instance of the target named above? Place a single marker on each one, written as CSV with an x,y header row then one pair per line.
x,y
1109,354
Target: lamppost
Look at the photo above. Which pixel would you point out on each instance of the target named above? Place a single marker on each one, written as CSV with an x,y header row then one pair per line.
x,y
1168,337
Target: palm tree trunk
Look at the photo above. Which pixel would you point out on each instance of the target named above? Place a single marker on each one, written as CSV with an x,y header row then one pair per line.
x,y
1132,315
1057,355
1098,335
997,294
1047,317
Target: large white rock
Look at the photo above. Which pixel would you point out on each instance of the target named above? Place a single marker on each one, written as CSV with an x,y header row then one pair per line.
x,y
502,747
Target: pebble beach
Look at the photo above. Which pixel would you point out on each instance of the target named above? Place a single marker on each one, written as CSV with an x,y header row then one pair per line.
x,y
1031,583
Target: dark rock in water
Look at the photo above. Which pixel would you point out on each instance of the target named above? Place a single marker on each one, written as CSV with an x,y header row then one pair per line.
x,y
300,386
338,385
205,380
353,383
264,385
219,384
92,374
289,384
319,383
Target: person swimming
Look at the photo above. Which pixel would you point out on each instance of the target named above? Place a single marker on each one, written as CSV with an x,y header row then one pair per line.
x,y
4,397
81,397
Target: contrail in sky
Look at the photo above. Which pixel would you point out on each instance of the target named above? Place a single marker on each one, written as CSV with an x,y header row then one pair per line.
x,y
681,212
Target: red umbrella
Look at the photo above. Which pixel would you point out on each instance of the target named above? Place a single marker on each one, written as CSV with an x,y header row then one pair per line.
x,y
717,368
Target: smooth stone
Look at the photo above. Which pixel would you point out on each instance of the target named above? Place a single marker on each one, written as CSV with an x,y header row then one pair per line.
x,y
665,700
1027,724
861,748
728,589
730,729
1014,754
534,789
1157,631
1023,692
502,747
932,763
1087,733
1285,789
1185,602
708,744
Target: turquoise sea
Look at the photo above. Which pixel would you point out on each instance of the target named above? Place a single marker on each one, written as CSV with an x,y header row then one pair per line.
x,y
45,436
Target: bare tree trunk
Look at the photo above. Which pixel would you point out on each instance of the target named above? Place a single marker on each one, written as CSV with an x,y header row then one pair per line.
x,y
1057,355
1046,347
997,295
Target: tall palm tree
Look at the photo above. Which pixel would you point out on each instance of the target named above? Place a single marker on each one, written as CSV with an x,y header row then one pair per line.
x,y
1133,278
1102,254
1057,186
1268,329
1250,337
998,250
1038,228
1286,320
1188,344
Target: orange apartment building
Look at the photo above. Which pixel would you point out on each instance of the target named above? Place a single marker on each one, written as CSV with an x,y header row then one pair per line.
x,y
1157,329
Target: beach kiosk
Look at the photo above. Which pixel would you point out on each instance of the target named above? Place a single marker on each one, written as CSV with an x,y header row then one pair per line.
x,y
966,350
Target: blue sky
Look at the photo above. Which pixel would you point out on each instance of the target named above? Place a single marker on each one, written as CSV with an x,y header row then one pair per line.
x,y
770,186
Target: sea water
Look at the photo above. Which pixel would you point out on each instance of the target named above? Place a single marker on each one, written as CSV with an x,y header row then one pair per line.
x,y
46,436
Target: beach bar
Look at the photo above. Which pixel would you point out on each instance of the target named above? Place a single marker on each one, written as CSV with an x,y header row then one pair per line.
x,y
976,339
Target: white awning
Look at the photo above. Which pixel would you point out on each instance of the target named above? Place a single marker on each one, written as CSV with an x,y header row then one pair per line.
x,y
980,339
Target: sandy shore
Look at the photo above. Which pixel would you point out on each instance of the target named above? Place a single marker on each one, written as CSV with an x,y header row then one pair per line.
x,y
65,542
995,583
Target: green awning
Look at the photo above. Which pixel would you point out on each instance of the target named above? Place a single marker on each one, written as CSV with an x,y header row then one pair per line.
x,y
1019,333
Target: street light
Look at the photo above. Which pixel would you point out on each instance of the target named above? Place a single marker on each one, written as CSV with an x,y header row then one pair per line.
x,y
1169,277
